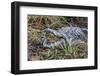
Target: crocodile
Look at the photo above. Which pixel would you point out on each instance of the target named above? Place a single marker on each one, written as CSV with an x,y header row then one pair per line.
x,y
70,35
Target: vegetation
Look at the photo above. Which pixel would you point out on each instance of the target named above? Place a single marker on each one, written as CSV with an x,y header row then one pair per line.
x,y
36,25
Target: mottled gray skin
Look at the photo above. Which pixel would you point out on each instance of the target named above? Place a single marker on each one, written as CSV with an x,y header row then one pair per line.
x,y
70,35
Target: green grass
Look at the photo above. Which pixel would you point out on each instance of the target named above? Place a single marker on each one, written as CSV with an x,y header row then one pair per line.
x,y
68,52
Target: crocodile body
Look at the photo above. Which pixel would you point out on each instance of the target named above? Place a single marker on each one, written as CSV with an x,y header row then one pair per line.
x,y
70,35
